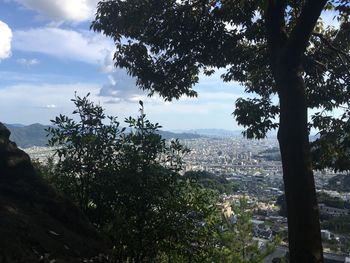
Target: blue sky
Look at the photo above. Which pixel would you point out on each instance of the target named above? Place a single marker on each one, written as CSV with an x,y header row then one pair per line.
x,y
47,52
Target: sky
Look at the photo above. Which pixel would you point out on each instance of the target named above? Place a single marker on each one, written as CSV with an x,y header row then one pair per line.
x,y
48,52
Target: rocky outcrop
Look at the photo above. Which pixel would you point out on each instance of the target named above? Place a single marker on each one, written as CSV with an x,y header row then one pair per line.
x,y
36,223
12,159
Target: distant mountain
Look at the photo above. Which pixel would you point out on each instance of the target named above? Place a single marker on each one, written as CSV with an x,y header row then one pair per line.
x,y
172,135
14,125
215,132
35,135
27,136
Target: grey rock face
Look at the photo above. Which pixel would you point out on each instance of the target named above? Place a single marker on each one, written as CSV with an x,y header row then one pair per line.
x,y
12,158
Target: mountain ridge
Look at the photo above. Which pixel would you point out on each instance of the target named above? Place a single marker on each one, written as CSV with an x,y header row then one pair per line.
x,y
26,136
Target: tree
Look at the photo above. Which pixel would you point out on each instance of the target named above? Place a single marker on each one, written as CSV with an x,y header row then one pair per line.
x,y
87,164
211,181
272,47
157,214
236,242
127,184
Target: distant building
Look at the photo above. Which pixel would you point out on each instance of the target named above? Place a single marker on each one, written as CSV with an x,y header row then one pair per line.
x,y
260,230
226,209
332,211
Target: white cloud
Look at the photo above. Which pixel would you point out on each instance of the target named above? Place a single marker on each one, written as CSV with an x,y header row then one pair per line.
x,y
83,46
5,41
121,88
62,10
28,62
47,101
29,77
45,95
51,106
108,63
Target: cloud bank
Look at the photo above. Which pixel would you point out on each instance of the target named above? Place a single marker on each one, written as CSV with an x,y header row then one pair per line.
x,y
5,41
44,103
121,88
83,46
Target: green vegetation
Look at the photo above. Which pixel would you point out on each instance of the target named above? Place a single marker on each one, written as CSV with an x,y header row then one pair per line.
x,y
237,240
86,150
321,197
211,181
280,51
340,225
332,201
128,185
340,182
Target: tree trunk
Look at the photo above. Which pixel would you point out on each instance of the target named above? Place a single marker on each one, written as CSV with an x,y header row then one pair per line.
x,y
305,244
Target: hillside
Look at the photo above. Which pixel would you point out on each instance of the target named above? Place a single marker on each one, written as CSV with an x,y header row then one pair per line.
x,y
37,224
27,136
181,136
216,133
35,135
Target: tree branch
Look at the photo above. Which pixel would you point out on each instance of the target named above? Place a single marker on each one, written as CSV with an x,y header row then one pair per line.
x,y
331,46
301,33
343,56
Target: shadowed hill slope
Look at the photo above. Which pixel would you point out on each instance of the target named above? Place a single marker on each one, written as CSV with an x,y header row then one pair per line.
x,y
35,135
28,136
36,222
